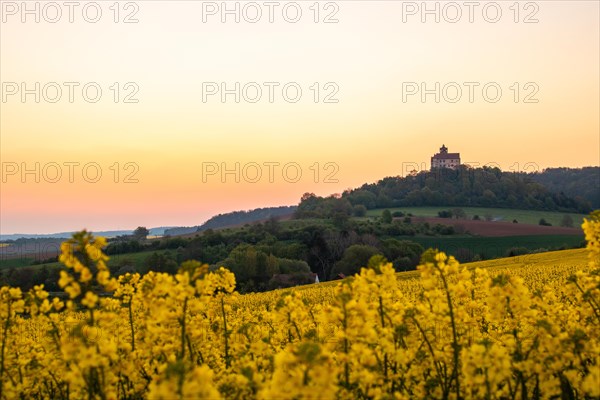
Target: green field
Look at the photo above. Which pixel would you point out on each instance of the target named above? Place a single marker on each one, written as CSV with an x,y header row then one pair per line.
x,y
137,259
493,247
15,262
504,214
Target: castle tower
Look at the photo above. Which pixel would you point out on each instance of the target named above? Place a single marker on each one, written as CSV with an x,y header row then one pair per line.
x,y
443,159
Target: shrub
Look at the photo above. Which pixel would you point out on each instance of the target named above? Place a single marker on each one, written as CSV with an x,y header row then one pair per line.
x,y
359,210
517,251
445,214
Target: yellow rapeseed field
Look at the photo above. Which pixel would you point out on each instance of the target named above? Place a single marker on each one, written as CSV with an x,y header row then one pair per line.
x,y
487,330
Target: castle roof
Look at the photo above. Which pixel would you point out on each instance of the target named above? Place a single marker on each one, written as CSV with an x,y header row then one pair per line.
x,y
446,156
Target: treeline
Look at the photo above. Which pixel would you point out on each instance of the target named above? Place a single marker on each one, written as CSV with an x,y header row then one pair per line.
x,y
22,241
462,187
580,183
234,218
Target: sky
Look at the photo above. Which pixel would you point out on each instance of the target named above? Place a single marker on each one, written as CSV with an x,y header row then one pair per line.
x,y
163,113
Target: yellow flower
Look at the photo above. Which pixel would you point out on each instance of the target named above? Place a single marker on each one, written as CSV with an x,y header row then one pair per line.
x,y
90,300
86,275
73,290
65,279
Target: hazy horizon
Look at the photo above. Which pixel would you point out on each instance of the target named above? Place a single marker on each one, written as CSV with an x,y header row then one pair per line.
x,y
191,222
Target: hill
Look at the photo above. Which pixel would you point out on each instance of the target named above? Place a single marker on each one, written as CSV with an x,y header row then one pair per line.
x,y
234,218
460,187
65,235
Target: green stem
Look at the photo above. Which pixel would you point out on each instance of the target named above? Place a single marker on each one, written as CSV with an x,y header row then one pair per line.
x,y
131,326
227,360
182,352
431,351
382,317
346,367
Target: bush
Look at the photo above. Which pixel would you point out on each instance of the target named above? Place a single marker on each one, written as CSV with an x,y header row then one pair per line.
x,y
386,217
359,210
394,249
517,251
376,261
355,257
161,262
290,280
464,255
403,264
397,214
287,266
459,213
444,229
540,250
445,214
543,222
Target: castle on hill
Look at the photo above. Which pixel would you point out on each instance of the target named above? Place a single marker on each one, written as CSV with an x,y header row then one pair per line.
x,y
443,159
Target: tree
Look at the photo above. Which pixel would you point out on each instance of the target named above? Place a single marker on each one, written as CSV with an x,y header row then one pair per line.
x,y
543,222
445,214
566,221
376,262
459,213
355,257
272,225
489,198
141,233
359,210
161,262
362,197
386,217
243,262
288,266
394,249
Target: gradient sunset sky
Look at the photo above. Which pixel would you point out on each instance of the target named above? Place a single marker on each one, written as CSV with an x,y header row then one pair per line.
x,y
370,54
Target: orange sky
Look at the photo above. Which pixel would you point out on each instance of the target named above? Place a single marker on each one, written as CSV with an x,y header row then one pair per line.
x,y
364,61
